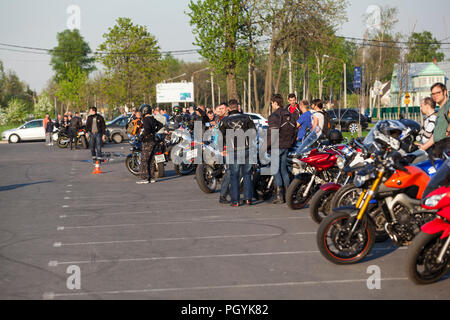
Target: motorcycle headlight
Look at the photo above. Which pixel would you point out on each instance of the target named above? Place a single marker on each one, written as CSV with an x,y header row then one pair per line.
x,y
434,200
358,181
340,161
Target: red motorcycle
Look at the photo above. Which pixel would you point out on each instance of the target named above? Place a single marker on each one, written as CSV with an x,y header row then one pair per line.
x,y
317,168
429,254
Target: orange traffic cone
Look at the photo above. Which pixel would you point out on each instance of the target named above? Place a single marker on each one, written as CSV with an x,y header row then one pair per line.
x,y
97,168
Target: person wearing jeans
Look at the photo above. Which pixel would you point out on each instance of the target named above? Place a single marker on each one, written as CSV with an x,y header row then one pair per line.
x,y
96,127
235,172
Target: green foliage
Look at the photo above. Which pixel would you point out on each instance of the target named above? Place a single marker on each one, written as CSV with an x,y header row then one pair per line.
x,y
424,47
43,106
16,111
70,90
132,61
72,52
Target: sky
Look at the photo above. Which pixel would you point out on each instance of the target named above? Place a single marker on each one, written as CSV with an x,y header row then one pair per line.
x,y
35,23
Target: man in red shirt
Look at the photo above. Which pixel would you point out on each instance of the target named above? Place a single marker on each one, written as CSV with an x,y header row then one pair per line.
x,y
293,107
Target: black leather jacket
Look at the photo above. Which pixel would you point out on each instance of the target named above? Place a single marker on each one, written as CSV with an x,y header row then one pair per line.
x,y
235,121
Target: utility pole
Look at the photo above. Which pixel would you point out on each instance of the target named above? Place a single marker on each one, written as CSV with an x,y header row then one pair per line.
x,y
212,91
290,72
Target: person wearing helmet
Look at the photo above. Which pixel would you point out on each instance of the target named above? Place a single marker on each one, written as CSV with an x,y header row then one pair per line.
x,y
335,137
150,127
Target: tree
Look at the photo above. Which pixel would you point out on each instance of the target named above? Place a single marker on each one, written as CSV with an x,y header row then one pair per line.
x,y
70,90
132,61
43,105
424,48
218,26
72,52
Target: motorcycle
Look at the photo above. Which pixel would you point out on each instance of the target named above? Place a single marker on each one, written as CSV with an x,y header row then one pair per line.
x,y
63,139
320,205
316,166
348,234
184,152
133,159
429,255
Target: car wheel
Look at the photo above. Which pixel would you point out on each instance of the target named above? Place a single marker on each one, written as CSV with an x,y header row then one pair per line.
x,y
353,127
14,138
117,138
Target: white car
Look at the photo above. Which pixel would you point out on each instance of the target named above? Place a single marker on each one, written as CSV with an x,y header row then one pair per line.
x,y
258,119
31,130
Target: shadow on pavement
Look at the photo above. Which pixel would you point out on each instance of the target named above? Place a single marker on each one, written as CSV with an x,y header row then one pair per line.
x,y
16,186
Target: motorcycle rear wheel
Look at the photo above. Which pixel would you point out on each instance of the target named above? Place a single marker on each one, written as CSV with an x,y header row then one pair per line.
x,y
132,165
421,264
333,243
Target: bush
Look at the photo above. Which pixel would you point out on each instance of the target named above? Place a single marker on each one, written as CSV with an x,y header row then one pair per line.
x,y
43,106
16,111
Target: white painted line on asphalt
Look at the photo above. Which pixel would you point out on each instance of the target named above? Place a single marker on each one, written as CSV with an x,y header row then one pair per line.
x,y
66,198
68,191
57,263
65,206
60,244
193,220
87,204
52,295
69,185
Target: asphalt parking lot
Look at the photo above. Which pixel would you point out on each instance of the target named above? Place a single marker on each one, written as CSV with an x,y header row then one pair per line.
x,y
166,240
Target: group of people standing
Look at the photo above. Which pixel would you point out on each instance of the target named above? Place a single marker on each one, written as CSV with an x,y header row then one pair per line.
x,y
95,130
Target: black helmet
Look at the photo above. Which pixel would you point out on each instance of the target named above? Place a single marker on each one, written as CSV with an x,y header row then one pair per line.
x,y
335,136
145,109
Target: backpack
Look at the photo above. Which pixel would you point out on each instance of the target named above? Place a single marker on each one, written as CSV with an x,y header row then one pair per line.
x,y
288,127
327,124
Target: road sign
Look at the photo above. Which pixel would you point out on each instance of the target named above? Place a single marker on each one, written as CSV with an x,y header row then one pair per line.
x,y
357,77
174,92
407,98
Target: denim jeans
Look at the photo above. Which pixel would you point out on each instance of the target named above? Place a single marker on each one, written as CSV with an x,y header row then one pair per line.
x,y
235,170
282,176
225,182
96,145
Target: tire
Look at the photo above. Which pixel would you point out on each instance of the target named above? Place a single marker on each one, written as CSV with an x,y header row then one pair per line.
x,y
132,165
260,183
159,170
355,125
421,253
84,142
320,205
63,142
14,138
348,196
332,232
117,138
294,197
184,169
205,180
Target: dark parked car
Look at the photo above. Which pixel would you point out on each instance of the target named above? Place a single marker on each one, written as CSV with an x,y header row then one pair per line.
x,y
116,128
349,119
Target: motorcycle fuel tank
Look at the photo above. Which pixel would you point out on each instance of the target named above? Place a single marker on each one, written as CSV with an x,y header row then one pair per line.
x,y
414,177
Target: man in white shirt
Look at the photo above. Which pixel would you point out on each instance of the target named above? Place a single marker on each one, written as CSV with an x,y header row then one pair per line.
x,y
427,107
318,118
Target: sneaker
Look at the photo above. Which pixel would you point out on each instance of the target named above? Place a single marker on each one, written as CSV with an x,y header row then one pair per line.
x,y
248,202
152,181
223,200
235,204
142,181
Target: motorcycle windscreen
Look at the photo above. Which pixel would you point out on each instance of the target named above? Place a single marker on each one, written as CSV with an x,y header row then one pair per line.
x,y
305,145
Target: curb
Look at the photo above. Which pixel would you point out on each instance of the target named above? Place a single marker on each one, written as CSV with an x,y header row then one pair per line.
x,y
3,141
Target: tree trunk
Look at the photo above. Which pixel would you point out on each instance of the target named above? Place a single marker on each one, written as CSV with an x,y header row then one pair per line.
x,y
268,81
277,83
231,85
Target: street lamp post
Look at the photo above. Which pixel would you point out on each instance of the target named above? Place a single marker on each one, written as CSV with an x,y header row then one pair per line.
x,y
345,86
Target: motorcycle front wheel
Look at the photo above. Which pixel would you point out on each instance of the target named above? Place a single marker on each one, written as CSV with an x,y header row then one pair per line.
x,y
132,165
204,174
320,205
63,142
339,244
295,197
421,264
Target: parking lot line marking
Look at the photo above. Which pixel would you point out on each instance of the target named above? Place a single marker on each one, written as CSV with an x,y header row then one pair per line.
x,y
236,286
87,204
232,255
60,244
151,211
193,220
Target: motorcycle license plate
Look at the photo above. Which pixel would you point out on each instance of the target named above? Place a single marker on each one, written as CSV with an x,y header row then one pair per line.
x,y
160,158
191,154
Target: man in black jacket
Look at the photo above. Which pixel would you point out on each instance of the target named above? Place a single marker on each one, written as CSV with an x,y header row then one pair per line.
x,y
286,124
238,151
96,129
75,125
150,127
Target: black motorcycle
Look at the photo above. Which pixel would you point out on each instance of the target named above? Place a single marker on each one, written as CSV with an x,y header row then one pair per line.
x,y
133,160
